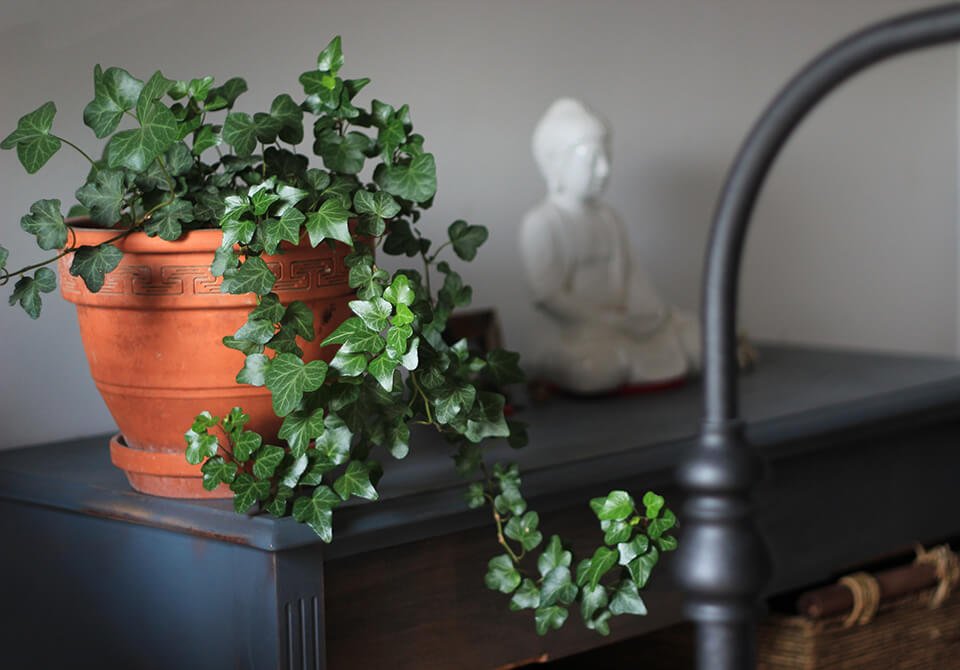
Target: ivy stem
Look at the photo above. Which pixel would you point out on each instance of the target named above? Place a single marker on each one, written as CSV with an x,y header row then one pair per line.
x,y
166,175
439,249
426,402
501,539
71,144
66,250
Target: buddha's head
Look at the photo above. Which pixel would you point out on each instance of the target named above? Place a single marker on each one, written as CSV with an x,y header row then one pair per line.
x,y
571,145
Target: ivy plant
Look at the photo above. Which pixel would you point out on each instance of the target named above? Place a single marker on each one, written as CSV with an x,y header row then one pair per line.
x,y
179,155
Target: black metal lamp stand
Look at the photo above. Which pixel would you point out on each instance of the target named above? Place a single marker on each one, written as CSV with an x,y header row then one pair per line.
x,y
723,564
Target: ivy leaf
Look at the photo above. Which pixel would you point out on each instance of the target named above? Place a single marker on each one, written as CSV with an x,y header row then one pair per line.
x,y
270,309
526,597
635,547
27,291
501,575
46,222
135,149
474,495
260,331
179,160
316,511
253,276
167,222
93,263
354,336
278,506
254,370
290,474
200,445
466,239
557,588
267,459
641,567
601,624
4,254
345,154
627,600
452,400
35,145
240,132
217,471
415,181
554,556
329,221
591,600
374,313
299,318
115,91
397,338
552,617
334,444
399,292
267,127
411,359
504,367
104,197
288,378
401,240
348,364
245,444
225,95
205,138
486,418
155,88
382,368
616,532
331,58
653,504
616,506
261,198
603,559
391,136
299,428
290,116
658,527
509,501
247,490
286,228
667,543
523,529
379,204
356,481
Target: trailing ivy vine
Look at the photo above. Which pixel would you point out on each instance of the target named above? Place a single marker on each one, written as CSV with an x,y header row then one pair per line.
x,y
169,173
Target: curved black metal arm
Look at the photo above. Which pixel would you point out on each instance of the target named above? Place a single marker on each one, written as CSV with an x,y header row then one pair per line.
x,y
723,564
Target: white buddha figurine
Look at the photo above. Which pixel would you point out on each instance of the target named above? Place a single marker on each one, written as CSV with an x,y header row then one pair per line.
x,y
608,328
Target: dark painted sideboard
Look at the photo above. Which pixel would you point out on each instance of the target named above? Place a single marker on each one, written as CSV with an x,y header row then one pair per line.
x,y
862,458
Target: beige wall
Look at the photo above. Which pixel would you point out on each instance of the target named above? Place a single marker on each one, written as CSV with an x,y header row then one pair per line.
x,y
855,237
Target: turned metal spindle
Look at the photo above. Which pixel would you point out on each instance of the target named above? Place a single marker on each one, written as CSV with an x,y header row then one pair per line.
x,y
723,564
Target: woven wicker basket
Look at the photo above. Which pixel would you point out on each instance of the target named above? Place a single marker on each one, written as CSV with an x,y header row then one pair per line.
x,y
905,633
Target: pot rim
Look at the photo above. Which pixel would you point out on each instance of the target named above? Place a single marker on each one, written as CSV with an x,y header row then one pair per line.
x,y
203,239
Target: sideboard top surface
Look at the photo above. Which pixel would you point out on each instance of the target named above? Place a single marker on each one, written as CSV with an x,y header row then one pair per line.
x,y
793,400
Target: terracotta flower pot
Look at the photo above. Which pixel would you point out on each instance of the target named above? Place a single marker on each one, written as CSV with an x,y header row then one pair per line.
x,y
153,335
